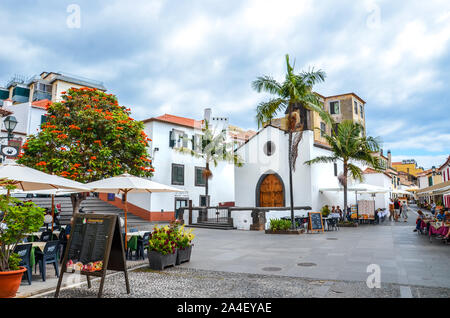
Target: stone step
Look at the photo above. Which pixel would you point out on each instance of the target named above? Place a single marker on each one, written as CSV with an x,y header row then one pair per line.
x,y
215,226
91,204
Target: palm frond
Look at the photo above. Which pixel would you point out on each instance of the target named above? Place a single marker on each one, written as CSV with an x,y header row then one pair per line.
x,y
321,159
266,111
266,84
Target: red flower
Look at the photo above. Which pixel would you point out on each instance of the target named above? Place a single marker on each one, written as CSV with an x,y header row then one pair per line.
x,y
93,157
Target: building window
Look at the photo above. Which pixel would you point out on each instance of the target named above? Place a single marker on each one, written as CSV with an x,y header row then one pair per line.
x,y
361,110
177,139
335,169
356,107
430,181
269,148
335,108
177,174
197,142
323,128
200,180
43,119
204,201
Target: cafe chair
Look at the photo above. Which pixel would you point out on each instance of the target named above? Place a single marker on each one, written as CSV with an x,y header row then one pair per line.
x,y
46,236
132,245
49,256
24,251
143,244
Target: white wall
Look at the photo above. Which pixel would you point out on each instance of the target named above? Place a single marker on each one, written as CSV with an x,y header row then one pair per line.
x,y
220,185
307,180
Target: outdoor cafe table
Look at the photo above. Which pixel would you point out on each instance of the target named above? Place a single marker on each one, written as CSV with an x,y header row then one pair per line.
x,y
438,228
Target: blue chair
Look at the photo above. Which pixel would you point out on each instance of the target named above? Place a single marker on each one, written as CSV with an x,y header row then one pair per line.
x,y
49,256
24,251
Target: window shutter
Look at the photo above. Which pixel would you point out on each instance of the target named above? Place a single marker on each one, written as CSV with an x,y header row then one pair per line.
x,y
185,141
171,139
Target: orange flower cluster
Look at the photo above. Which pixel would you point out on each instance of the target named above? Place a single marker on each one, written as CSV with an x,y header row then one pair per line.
x,y
99,142
62,136
42,163
66,115
93,157
65,174
108,117
74,127
120,128
56,131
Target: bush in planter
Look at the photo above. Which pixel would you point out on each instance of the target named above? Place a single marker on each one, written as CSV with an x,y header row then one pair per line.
x,y
183,240
162,250
280,225
16,219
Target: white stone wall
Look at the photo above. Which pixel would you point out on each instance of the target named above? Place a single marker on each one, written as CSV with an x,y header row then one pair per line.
x,y
242,219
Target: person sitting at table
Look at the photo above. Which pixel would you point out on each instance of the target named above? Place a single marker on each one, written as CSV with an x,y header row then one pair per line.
x,y
419,221
441,215
338,210
69,228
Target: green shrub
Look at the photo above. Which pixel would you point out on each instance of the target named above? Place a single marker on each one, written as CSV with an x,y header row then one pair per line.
x,y
325,211
280,225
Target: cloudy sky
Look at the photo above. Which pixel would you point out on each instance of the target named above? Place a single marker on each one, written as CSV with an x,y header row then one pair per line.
x,y
180,57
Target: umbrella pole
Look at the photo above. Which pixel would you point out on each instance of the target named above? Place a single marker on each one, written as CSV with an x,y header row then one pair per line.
x,y
126,212
53,211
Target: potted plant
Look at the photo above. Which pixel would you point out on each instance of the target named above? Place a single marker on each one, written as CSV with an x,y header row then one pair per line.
x,y
184,244
16,219
162,250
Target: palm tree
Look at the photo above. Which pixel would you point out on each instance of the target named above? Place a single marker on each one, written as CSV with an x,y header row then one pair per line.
x,y
294,92
349,145
213,148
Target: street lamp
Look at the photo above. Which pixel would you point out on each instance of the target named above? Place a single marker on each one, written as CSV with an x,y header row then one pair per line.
x,y
10,125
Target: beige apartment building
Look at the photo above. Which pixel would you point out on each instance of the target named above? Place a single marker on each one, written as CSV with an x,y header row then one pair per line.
x,y
341,107
45,86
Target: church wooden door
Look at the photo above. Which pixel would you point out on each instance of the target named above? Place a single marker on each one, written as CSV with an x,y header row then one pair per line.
x,y
271,192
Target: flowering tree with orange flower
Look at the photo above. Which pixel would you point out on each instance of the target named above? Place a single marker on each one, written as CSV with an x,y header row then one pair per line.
x,y
88,136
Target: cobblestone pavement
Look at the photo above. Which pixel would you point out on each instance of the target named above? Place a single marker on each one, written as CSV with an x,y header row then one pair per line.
x,y
190,283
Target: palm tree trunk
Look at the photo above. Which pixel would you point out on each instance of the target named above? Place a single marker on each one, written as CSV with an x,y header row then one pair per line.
x,y
206,184
344,210
291,190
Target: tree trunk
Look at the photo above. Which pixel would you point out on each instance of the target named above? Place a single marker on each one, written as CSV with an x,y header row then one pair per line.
x,y
206,184
76,199
345,187
291,190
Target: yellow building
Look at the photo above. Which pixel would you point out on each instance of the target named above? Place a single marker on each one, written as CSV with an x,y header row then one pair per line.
x,y
408,166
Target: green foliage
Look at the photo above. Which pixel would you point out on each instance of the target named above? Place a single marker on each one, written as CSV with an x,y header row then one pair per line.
x,y
16,220
280,225
297,89
88,137
14,261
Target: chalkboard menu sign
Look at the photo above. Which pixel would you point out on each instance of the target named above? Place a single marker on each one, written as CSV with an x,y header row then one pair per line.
x,y
95,245
315,222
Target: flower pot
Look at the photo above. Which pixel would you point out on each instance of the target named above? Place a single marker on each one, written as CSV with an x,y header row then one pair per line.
x,y
158,261
10,282
184,255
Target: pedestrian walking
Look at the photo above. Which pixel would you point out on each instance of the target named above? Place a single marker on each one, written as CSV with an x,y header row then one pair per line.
x,y
396,209
405,211
391,211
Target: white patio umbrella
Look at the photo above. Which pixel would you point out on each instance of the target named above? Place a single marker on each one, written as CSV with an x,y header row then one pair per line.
x,y
29,179
127,183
